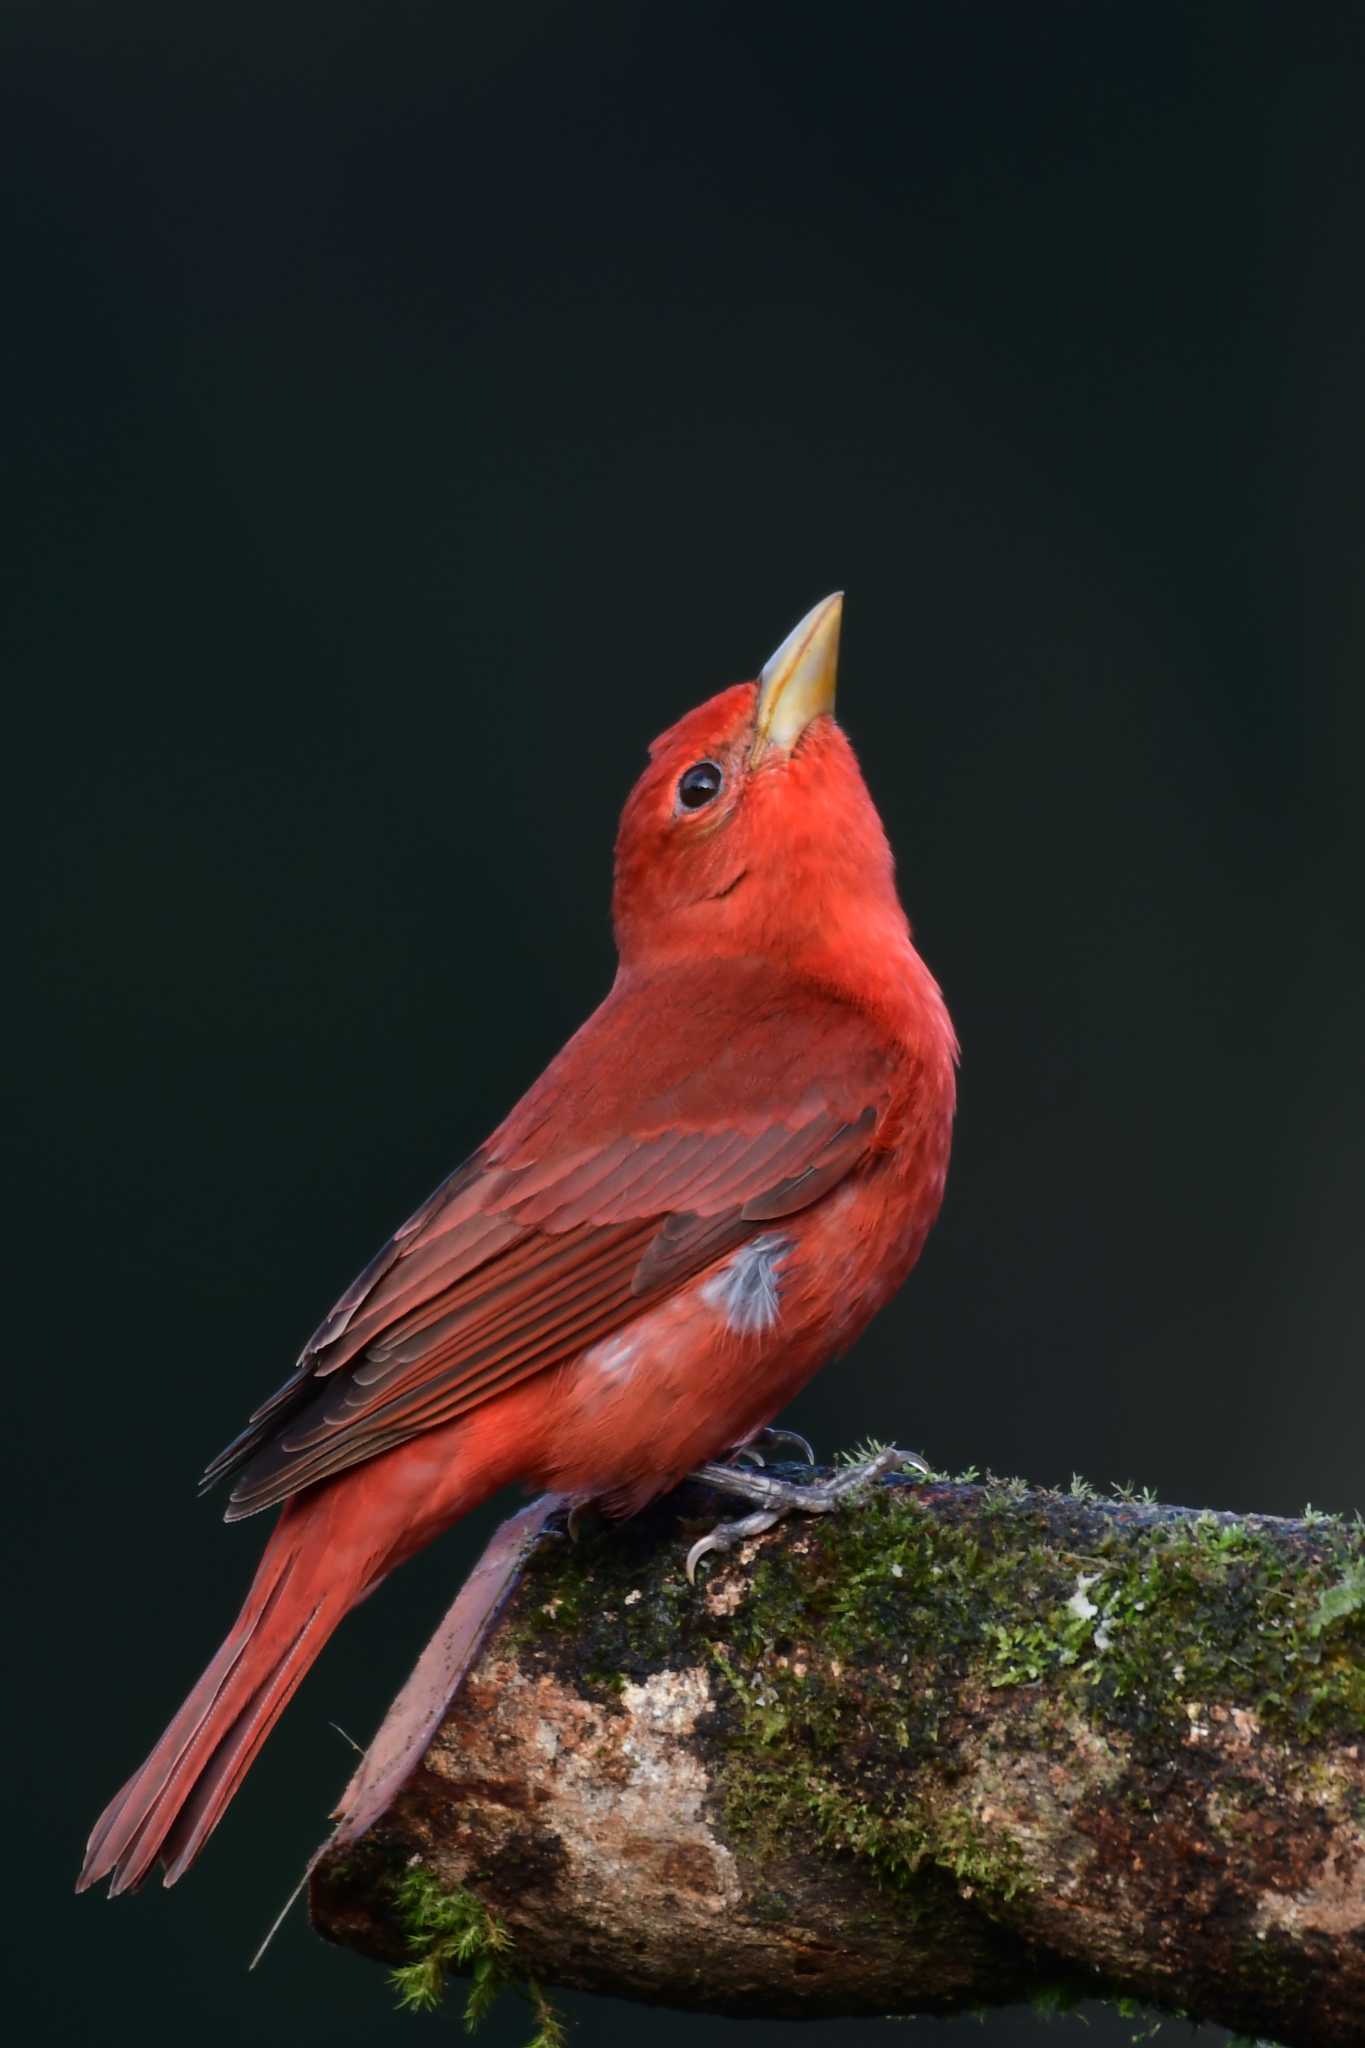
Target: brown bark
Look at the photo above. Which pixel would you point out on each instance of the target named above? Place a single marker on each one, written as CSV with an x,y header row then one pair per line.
x,y
952,1746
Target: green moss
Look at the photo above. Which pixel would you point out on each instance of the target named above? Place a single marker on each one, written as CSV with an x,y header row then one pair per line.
x,y
1058,2001
825,1736
1066,2000
1343,1599
1207,1611
454,1930
600,1604
1129,1619
1129,1623
1126,1628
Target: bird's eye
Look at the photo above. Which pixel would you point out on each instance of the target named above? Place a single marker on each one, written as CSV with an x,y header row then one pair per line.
x,y
699,785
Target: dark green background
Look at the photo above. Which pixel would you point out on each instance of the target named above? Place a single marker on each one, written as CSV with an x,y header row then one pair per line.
x,y
412,409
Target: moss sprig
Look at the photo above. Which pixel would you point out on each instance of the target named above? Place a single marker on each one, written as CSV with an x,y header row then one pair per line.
x,y
455,1930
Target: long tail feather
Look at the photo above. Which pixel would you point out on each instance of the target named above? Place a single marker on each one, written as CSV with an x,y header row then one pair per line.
x,y
170,1807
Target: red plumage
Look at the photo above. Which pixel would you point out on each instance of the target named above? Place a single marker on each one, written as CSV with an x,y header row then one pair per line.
x,y
709,1193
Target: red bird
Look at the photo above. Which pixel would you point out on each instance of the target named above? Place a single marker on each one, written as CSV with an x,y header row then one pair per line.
x,y
711,1191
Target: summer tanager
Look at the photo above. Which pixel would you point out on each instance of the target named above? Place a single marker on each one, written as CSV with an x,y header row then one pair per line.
x,y
709,1192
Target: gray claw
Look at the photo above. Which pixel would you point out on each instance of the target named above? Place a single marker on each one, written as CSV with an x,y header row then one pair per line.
x,y
772,1498
726,1535
573,1521
789,1436
771,1440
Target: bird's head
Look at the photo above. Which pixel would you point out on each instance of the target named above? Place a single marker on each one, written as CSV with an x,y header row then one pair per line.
x,y
751,831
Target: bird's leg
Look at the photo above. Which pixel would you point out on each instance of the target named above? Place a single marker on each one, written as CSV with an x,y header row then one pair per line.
x,y
770,1440
773,1498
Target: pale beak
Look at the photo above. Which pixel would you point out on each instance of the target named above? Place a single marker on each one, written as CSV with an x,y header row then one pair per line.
x,y
797,682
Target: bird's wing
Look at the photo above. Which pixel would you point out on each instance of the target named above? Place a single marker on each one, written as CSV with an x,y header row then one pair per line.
x,y
599,1195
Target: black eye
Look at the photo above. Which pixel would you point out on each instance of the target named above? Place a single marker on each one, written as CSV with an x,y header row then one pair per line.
x,y
699,785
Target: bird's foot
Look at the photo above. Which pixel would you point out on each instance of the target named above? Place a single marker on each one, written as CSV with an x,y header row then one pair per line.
x,y
770,1440
773,1499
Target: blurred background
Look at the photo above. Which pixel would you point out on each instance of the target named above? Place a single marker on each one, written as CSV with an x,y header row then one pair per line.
x,y
411,410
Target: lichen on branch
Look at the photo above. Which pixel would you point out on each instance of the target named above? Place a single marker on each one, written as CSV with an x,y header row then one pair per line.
x,y
954,1744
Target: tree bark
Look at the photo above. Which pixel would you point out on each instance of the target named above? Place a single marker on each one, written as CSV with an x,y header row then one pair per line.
x,y
952,1746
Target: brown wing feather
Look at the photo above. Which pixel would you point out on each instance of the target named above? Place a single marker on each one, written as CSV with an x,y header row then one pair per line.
x,y
347,1422
560,1231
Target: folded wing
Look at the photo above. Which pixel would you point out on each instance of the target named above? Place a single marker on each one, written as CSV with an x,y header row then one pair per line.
x,y
557,1233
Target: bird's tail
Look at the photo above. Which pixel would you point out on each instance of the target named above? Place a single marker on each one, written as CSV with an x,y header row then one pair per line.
x,y
169,1808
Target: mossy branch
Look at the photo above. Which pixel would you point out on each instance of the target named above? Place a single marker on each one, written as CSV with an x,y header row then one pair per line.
x,y
954,1745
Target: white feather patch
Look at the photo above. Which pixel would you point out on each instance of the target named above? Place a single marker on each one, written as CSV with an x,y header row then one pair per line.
x,y
615,1356
747,1289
